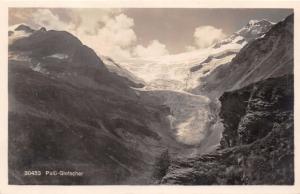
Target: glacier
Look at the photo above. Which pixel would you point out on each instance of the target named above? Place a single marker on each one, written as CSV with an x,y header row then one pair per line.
x,y
174,78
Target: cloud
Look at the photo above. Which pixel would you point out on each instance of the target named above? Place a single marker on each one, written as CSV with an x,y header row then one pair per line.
x,y
119,31
108,31
45,18
205,36
154,49
89,21
113,36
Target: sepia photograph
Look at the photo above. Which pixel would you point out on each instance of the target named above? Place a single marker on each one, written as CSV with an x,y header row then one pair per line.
x,y
150,96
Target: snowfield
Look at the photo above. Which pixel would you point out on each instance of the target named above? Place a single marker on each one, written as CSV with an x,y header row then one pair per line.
x,y
177,68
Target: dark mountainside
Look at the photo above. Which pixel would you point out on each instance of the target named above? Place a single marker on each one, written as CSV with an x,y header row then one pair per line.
x,y
257,145
68,112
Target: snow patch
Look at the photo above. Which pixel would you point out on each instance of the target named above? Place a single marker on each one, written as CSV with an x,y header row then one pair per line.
x,y
59,56
252,22
38,68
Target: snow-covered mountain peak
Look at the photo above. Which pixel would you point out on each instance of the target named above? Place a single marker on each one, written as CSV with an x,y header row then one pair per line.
x,y
252,22
255,28
259,22
252,30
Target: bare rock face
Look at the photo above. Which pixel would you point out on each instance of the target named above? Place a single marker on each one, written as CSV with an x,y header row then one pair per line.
x,y
257,145
251,112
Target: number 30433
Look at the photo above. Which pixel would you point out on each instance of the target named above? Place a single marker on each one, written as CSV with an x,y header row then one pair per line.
x,y
32,173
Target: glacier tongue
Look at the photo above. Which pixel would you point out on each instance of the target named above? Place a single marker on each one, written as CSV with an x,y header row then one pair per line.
x,y
193,117
190,115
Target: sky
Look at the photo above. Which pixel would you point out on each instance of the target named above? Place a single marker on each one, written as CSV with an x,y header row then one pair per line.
x,y
144,32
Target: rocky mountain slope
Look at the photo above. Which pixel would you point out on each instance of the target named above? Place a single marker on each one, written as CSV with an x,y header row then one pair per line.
x,y
257,146
68,112
268,56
